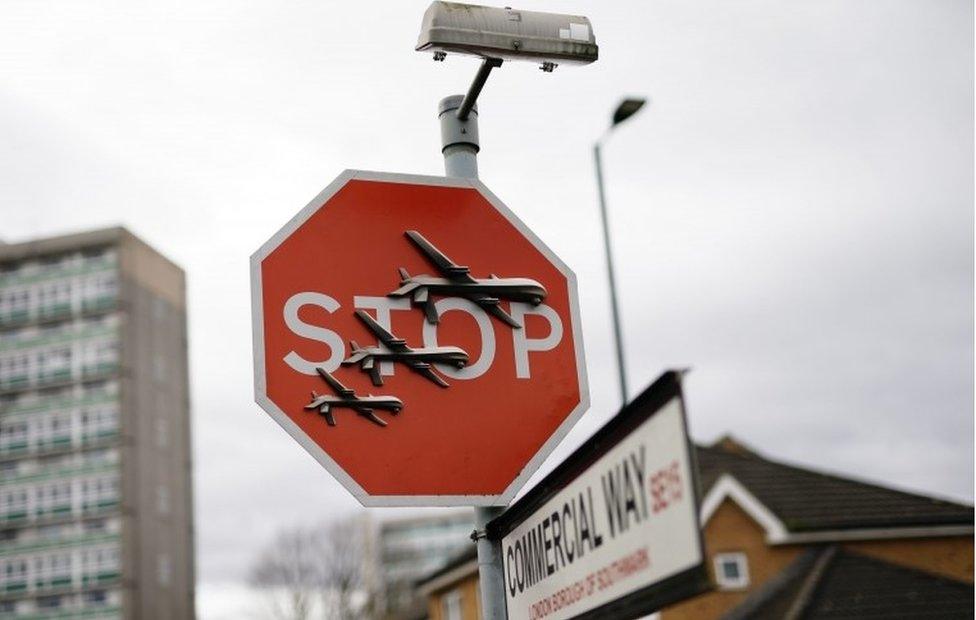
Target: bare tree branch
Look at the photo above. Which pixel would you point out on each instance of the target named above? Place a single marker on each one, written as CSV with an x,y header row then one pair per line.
x,y
288,568
327,565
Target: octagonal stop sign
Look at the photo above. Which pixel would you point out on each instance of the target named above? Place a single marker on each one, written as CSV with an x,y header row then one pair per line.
x,y
417,339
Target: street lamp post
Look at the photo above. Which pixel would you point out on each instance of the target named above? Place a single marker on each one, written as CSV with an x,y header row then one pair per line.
x,y
626,109
495,36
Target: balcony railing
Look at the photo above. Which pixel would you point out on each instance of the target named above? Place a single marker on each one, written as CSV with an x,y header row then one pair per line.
x,y
100,369
50,445
12,447
16,317
61,336
14,515
45,544
56,581
97,304
50,516
57,312
71,470
27,276
57,402
100,505
54,312
15,586
100,578
55,378
48,511
14,382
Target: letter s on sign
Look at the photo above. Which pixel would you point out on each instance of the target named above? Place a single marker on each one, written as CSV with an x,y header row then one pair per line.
x,y
313,332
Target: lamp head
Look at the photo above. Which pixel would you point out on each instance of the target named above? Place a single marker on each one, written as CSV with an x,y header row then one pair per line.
x,y
506,34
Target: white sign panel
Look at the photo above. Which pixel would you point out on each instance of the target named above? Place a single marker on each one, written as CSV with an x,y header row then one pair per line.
x,y
627,522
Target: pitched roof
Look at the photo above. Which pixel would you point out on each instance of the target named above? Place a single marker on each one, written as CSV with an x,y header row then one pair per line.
x,y
829,582
806,500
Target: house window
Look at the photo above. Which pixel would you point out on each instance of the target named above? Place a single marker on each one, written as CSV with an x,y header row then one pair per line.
x,y
731,571
452,605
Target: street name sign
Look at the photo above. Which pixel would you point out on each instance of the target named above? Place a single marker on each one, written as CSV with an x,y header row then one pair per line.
x,y
417,339
613,531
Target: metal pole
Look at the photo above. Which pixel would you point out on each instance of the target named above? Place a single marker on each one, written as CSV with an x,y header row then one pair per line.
x,y
459,144
475,89
491,578
613,285
459,138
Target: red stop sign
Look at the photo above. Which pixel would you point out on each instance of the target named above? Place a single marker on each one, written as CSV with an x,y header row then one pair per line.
x,y
417,339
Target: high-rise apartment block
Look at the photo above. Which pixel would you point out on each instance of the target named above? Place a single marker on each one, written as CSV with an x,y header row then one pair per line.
x,y
411,548
95,491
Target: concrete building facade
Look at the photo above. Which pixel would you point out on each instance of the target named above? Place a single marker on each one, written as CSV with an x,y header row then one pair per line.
x,y
95,458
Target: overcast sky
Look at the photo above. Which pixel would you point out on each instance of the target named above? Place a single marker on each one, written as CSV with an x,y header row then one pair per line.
x,y
792,215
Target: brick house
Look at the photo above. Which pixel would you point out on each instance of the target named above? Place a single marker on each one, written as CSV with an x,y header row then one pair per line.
x,y
784,541
760,517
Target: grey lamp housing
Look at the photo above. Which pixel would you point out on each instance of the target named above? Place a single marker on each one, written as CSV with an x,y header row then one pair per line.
x,y
507,34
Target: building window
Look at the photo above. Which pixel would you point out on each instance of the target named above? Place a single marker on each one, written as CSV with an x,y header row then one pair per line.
x,y
164,570
452,605
162,499
162,432
96,597
159,309
93,254
731,571
48,602
159,369
49,532
92,388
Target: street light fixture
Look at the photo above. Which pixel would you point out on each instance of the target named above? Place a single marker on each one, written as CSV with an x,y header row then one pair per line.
x,y
506,34
626,109
494,35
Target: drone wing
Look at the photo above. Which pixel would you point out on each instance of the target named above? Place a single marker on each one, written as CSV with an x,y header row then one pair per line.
x,y
324,407
374,373
334,383
445,265
424,370
393,343
367,413
490,305
317,401
356,357
329,417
